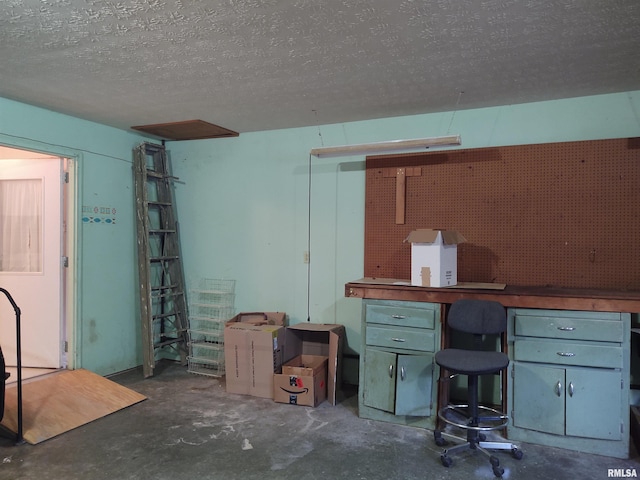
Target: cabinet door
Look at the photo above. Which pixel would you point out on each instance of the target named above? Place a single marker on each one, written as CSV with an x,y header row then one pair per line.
x,y
413,385
538,398
593,403
380,379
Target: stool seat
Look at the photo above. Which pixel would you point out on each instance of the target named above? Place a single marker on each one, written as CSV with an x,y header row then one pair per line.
x,y
471,362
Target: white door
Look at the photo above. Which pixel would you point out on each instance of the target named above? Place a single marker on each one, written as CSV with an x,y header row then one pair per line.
x,y
36,287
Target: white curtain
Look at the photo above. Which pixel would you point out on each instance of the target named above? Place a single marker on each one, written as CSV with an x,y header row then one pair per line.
x,y
21,225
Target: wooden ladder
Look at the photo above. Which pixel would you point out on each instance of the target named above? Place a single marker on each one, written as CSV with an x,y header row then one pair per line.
x,y
163,305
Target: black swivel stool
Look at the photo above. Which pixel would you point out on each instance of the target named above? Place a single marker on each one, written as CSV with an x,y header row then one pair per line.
x,y
479,318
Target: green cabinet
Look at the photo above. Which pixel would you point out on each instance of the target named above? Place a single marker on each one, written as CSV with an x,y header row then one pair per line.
x,y
568,383
566,401
397,369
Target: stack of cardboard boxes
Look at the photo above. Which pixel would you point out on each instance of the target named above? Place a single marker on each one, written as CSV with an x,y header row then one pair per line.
x,y
299,364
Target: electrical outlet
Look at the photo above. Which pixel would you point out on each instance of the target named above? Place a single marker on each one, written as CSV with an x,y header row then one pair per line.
x,y
305,257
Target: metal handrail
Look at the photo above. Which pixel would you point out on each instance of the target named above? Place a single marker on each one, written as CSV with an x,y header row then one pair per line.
x,y
19,437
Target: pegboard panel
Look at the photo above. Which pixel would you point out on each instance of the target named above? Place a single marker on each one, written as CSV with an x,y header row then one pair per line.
x,y
560,214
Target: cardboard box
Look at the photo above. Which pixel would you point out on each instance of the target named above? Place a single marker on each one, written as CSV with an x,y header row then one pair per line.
x,y
253,352
260,318
324,340
303,381
434,257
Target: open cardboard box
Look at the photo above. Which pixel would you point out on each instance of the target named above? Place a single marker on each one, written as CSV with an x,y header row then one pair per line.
x,y
318,339
259,318
253,352
303,381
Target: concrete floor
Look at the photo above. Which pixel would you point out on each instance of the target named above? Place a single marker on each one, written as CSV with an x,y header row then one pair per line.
x,y
190,428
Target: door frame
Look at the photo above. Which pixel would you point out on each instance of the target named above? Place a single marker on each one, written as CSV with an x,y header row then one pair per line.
x,y
71,193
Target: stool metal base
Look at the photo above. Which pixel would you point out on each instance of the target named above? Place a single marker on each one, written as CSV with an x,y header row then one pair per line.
x,y
488,419
486,423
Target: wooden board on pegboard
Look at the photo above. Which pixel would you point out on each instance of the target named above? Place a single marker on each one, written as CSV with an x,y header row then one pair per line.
x,y
558,214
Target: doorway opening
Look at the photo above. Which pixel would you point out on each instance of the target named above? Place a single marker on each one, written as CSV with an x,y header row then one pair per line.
x,y
37,243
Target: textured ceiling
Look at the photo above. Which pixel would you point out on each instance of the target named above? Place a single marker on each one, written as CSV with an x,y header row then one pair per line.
x,y
251,65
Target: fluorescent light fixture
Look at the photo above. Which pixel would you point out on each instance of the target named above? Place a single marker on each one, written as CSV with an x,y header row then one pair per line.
x,y
405,146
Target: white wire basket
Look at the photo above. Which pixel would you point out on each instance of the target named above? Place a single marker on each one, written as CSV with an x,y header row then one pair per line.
x,y
207,324
205,366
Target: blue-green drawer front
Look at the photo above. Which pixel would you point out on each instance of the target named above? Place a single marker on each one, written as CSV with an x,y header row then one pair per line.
x,y
401,338
401,315
568,353
570,328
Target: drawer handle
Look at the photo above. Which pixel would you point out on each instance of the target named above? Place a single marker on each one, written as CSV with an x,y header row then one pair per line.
x,y
396,339
403,373
571,389
567,329
390,371
566,354
398,317
558,388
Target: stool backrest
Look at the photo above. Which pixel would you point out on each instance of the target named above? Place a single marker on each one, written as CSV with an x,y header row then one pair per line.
x,y
478,317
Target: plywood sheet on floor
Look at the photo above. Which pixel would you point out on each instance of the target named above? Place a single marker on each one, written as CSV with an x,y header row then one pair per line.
x,y
63,401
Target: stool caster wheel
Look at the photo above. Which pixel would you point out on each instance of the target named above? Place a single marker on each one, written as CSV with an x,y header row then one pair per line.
x,y
437,437
482,437
446,461
495,464
517,454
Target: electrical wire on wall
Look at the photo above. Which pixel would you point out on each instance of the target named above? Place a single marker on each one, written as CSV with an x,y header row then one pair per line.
x,y
309,246
308,256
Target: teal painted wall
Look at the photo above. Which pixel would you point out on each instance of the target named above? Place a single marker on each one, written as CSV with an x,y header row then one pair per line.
x,y
243,206
107,334
243,202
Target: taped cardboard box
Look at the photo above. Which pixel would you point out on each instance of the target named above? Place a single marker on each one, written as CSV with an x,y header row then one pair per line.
x,y
303,381
323,340
253,352
434,257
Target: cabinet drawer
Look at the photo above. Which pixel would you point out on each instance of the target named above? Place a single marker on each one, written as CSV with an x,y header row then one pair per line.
x,y
401,315
573,328
401,338
568,353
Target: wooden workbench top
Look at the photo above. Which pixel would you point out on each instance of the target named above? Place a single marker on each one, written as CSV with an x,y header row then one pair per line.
x,y
509,295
